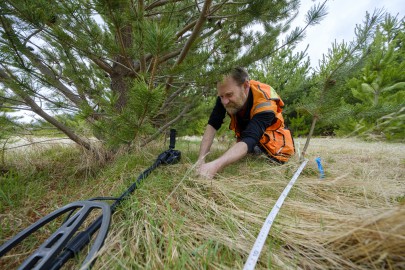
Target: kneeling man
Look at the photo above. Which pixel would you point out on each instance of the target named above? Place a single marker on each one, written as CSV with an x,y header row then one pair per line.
x,y
255,110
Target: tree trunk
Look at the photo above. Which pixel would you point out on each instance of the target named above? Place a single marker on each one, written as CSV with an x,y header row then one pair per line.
x,y
311,131
35,108
123,68
119,86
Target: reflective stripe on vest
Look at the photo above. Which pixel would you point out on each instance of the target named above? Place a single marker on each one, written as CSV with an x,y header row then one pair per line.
x,y
265,99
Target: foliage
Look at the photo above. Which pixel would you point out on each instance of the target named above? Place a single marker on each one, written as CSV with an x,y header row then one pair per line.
x,y
287,73
317,97
8,126
91,58
7,122
377,107
328,100
142,104
195,122
124,71
299,125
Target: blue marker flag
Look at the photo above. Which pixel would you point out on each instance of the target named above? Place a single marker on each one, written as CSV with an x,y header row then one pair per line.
x,y
321,172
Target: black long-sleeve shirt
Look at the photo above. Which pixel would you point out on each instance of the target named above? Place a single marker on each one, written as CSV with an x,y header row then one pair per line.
x,y
251,129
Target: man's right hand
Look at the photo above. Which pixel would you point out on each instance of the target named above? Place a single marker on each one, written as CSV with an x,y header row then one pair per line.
x,y
207,170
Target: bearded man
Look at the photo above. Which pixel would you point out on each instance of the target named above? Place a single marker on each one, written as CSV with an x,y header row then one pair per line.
x,y
255,110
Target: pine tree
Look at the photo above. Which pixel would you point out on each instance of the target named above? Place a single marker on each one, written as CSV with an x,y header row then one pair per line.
x,y
131,69
327,91
377,107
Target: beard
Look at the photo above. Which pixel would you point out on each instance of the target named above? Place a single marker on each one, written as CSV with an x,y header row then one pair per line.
x,y
233,108
237,105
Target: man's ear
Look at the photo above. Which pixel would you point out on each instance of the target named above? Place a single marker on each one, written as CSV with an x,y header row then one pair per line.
x,y
246,85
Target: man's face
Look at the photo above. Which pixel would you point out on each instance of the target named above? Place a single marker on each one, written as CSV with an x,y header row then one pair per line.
x,y
233,96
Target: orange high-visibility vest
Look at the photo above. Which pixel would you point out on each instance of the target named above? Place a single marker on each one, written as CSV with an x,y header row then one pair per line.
x,y
276,139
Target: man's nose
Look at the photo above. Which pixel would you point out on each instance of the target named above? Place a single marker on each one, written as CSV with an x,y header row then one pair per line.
x,y
225,101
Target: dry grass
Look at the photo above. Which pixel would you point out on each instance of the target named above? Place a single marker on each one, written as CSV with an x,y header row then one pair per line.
x,y
352,219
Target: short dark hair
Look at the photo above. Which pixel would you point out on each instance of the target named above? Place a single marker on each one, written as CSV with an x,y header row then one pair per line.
x,y
239,74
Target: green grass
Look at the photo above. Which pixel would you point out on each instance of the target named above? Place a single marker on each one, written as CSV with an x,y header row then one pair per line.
x,y
175,220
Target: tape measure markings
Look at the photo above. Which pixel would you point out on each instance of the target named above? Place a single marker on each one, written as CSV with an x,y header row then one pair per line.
x,y
261,238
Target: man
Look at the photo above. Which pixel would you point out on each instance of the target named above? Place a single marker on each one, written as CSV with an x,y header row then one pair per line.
x,y
255,111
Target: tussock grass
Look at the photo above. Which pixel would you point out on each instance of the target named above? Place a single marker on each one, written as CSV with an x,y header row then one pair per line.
x,y
352,219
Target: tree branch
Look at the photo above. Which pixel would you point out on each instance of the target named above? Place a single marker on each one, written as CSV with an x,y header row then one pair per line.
x,y
160,3
44,69
15,108
30,36
7,29
169,56
167,125
6,77
186,28
192,38
171,98
142,60
195,33
101,64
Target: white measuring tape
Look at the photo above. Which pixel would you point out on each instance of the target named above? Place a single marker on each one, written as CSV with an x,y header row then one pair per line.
x,y
261,238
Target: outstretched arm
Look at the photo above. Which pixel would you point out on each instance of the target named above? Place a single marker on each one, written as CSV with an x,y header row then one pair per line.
x,y
206,143
250,137
236,152
214,123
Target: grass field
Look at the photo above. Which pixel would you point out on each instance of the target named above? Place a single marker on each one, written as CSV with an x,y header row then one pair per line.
x,y
354,218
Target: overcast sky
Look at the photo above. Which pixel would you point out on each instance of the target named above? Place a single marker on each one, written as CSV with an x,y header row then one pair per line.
x,y
339,24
